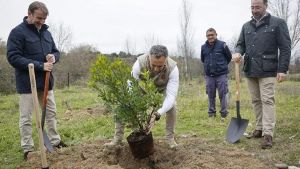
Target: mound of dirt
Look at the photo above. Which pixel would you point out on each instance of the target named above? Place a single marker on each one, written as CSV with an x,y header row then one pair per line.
x,y
70,114
192,153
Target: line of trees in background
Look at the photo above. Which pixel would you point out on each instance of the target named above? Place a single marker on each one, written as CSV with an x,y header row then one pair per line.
x,y
288,10
73,67
7,76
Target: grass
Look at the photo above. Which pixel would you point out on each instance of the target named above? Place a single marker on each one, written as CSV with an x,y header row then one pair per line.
x,y
294,77
192,119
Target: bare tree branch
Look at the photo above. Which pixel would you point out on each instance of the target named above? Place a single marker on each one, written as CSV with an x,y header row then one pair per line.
x,y
289,10
130,47
151,40
295,26
185,43
232,42
62,36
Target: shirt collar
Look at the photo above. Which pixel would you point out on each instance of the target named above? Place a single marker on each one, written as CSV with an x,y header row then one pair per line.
x,y
258,20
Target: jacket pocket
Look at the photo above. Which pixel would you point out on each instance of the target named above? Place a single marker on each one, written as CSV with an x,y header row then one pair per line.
x,y
33,46
47,44
269,36
269,63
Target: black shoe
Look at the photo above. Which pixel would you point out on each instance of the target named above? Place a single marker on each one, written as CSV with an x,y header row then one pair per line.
x,y
61,144
26,155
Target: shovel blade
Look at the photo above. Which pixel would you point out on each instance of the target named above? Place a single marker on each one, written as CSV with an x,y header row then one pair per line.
x,y
236,129
47,142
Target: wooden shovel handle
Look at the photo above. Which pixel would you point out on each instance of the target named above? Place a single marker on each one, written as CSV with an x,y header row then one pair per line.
x,y
237,80
37,117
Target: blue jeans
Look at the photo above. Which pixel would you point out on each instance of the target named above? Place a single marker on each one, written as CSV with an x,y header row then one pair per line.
x,y
219,83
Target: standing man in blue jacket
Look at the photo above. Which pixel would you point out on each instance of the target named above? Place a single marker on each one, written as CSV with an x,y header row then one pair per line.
x,y
216,56
31,42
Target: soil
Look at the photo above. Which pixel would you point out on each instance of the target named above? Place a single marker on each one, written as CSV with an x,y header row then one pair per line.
x,y
70,114
192,153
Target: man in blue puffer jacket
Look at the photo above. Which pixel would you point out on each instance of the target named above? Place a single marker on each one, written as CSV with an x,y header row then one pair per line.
x,y
216,56
31,42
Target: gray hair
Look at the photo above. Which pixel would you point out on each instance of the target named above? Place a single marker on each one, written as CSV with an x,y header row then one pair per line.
x,y
38,5
159,51
265,2
211,30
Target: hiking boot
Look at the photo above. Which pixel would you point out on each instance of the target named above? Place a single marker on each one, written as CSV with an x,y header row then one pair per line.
x,y
172,144
266,142
61,144
255,134
26,155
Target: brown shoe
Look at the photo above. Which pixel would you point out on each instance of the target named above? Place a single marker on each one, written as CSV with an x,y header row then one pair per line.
x,y
266,142
255,134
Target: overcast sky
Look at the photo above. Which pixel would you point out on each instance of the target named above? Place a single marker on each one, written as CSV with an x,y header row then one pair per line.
x,y
106,24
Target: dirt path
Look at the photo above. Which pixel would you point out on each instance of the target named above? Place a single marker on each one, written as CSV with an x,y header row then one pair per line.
x,y
192,153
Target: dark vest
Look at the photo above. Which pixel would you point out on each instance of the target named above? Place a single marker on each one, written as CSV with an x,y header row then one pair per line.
x,y
214,59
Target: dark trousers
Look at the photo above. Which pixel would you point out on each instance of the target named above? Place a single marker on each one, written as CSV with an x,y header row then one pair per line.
x,y
219,83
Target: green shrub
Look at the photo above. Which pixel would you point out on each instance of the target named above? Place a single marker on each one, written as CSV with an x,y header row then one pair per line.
x,y
7,76
132,101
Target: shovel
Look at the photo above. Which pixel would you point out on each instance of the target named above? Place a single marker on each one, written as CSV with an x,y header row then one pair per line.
x,y
47,141
37,117
237,126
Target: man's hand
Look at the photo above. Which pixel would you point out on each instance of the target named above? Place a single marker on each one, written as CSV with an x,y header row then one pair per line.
x,y
50,58
237,57
155,117
48,66
281,77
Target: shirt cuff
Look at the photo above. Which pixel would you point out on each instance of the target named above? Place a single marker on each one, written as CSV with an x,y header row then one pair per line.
x,y
160,112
